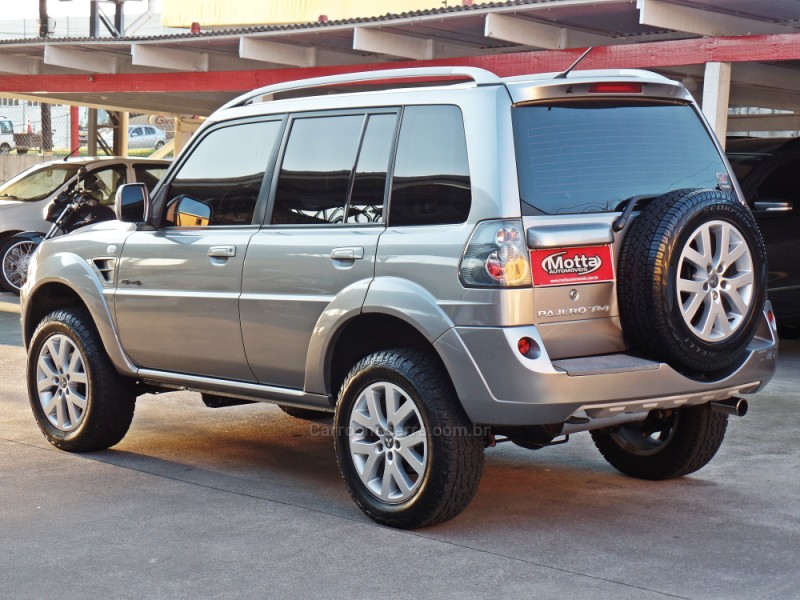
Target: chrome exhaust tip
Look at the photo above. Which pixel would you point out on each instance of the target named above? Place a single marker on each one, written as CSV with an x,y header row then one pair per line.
x,y
732,406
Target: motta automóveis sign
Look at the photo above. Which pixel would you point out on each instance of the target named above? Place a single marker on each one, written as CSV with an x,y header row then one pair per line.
x,y
567,266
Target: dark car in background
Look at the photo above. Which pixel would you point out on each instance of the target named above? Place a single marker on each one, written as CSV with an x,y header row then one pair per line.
x,y
768,170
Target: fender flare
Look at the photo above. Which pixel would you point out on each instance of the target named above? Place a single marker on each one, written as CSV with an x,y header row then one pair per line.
x,y
393,296
73,272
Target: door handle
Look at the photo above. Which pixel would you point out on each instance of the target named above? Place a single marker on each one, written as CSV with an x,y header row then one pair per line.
x,y
349,253
222,251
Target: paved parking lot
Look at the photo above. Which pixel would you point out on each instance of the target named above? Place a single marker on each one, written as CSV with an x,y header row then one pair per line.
x,y
246,502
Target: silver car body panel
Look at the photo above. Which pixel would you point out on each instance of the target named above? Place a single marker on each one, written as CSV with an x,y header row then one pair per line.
x,y
288,286
177,307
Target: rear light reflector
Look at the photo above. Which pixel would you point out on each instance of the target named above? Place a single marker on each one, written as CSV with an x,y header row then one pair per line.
x,y
616,88
528,348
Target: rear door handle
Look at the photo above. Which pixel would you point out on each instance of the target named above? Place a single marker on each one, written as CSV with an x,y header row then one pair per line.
x,y
349,253
222,251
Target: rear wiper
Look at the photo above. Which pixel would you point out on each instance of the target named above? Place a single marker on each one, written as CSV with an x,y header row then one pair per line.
x,y
9,196
619,224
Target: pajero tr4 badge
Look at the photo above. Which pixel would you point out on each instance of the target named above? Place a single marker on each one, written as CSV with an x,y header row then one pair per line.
x,y
567,266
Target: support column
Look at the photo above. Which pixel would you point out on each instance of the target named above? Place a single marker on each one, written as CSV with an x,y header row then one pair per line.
x,y
47,128
91,133
716,94
121,134
74,130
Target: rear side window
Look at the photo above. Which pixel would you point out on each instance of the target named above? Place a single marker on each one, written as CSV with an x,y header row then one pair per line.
x,y
225,171
583,157
431,182
334,170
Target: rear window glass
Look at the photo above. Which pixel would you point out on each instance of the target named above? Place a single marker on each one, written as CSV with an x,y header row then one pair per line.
x,y
590,157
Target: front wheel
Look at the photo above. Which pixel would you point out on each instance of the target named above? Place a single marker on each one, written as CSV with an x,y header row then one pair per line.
x,y
664,446
16,255
78,399
408,453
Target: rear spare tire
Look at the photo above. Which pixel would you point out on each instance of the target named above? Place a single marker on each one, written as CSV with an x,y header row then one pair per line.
x,y
692,281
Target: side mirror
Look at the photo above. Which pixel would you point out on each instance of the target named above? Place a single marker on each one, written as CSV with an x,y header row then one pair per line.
x,y
190,212
132,203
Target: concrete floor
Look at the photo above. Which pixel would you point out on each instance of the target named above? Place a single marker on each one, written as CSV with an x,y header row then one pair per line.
x,y
246,502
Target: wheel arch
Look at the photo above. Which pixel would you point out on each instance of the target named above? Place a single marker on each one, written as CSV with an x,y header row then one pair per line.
x,y
395,313
74,286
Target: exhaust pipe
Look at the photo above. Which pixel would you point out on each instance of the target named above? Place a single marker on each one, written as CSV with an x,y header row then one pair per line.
x,y
732,406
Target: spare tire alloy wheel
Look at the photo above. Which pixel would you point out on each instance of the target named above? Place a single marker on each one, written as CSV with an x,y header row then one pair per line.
x,y
715,281
16,258
692,281
408,454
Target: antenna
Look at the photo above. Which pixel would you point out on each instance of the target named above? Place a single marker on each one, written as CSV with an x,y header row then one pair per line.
x,y
563,74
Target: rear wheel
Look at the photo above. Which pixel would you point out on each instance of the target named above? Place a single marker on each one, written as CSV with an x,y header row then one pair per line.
x,y
5,148
407,452
16,256
664,446
78,399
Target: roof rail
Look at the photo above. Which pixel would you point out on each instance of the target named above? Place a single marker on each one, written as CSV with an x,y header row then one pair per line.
x,y
479,76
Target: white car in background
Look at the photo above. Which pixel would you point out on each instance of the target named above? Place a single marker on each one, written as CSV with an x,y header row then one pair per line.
x,y
24,200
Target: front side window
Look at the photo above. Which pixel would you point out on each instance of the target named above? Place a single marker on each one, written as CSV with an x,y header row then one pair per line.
x,y
579,157
103,182
431,184
225,171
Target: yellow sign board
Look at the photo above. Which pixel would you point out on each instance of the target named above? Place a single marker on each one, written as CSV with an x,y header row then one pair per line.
x,y
217,13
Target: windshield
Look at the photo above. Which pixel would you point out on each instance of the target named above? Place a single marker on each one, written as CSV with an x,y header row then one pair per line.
x,y
578,157
37,183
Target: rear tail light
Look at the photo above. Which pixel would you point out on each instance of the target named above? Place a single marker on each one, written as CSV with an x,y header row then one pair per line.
x,y
496,256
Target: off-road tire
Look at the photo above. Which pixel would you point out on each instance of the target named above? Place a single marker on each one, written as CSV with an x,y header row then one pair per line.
x,y
454,445
692,438
110,398
647,278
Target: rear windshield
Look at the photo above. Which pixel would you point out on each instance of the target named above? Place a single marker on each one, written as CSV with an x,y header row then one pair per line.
x,y
581,157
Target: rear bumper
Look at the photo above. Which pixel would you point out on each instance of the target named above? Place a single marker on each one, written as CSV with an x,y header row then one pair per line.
x,y
499,386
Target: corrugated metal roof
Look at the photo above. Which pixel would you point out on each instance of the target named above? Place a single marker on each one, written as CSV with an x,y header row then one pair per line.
x,y
445,10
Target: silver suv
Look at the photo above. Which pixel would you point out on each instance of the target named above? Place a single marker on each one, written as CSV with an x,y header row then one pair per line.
x,y
442,267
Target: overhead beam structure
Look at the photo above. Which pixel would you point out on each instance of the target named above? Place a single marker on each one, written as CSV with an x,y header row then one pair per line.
x,y
367,39
81,60
764,123
202,92
145,55
539,35
277,52
19,65
659,13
